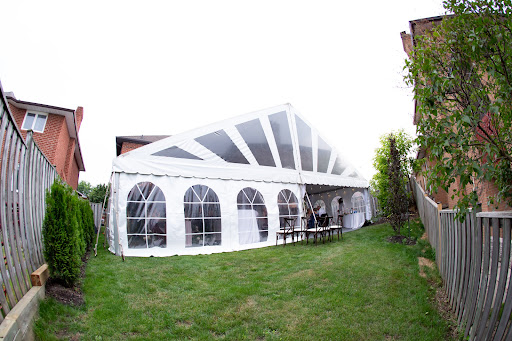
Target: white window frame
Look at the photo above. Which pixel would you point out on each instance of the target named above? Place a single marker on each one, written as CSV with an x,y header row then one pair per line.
x,y
35,120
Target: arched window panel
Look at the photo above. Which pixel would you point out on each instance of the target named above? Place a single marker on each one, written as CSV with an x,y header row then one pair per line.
x,y
358,204
288,207
145,188
176,152
252,217
156,195
305,144
283,138
136,226
156,226
202,217
254,136
135,194
193,210
155,209
338,167
221,144
324,155
146,224
135,209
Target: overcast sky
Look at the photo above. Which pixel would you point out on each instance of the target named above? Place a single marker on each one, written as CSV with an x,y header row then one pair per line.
x,y
165,67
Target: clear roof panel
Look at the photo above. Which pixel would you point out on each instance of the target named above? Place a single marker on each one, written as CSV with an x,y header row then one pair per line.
x,y
220,143
252,133
305,144
324,155
281,130
177,153
338,167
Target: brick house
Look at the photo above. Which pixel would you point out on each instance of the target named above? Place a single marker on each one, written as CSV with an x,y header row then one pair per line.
x,y
55,130
124,144
484,189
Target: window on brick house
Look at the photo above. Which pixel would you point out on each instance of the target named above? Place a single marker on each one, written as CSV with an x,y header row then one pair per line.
x,y
34,121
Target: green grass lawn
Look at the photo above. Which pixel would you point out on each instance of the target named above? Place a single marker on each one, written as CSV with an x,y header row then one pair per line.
x,y
360,288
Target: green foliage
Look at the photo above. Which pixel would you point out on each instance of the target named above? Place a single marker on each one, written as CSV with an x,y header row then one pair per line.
x,y
84,187
87,222
398,200
462,78
68,231
380,181
60,234
99,193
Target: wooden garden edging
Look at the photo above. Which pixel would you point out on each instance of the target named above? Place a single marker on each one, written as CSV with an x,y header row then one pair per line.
x,y
473,257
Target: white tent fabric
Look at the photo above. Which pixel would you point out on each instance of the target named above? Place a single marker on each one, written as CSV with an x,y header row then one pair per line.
x,y
268,151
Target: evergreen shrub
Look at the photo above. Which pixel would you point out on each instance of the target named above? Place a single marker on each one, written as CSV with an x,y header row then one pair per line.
x,y
68,230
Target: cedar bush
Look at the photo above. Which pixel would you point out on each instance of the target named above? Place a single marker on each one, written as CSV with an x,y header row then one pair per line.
x,y
68,231
88,222
60,234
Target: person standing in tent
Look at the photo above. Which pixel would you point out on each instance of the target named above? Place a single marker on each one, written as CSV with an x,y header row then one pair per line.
x,y
341,211
312,216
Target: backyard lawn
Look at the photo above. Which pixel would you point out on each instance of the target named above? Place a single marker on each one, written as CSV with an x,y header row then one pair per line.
x,y
358,288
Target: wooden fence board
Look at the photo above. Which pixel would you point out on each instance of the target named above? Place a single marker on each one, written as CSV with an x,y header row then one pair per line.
x,y
3,222
25,174
491,284
502,279
13,207
17,222
11,279
486,250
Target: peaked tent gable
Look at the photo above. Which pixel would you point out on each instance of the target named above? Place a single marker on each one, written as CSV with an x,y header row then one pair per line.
x,y
247,146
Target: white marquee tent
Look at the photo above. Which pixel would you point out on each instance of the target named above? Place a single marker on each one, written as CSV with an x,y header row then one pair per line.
x,y
226,186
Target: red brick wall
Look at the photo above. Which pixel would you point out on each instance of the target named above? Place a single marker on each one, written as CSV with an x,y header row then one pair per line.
x,y
490,189
55,143
79,115
129,146
73,174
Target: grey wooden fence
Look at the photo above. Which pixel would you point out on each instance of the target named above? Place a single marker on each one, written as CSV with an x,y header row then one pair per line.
x,y
97,211
26,174
473,257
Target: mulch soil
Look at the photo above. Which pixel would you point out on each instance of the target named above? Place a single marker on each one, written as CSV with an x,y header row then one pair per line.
x,y
401,240
69,296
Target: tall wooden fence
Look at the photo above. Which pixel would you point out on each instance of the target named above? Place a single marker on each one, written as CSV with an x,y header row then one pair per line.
x,y
97,212
26,174
474,260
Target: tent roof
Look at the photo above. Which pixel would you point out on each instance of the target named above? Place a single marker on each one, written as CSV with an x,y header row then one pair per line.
x,y
273,145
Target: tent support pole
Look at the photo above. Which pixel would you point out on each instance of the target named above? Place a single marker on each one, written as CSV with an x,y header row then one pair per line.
x,y
102,210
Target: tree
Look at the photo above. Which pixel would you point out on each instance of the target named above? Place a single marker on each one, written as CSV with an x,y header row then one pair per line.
x,y
99,193
84,187
380,183
61,234
398,200
461,73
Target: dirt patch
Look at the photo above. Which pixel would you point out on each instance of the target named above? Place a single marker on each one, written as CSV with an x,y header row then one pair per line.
x,y
401,240
442,301
424,262
184,324
424,237
69,296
